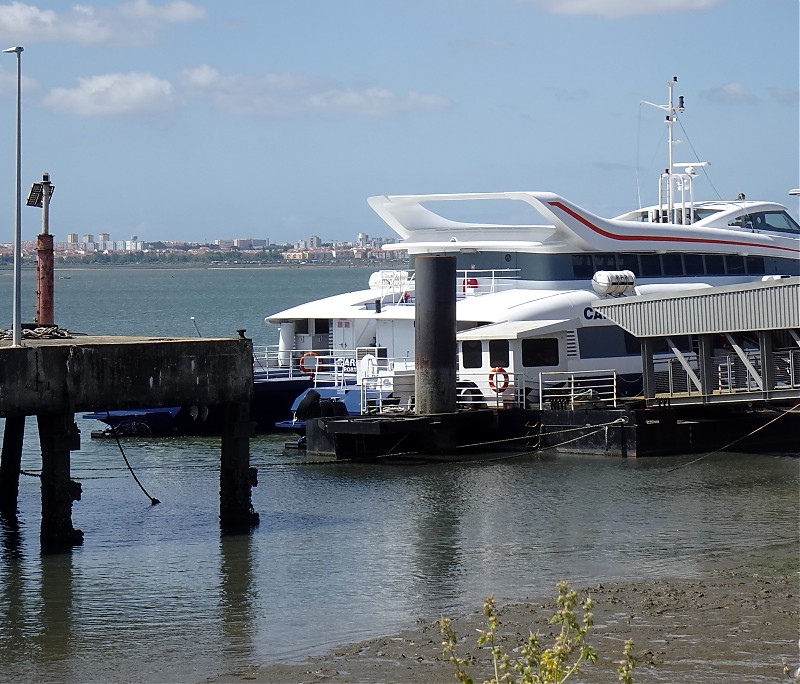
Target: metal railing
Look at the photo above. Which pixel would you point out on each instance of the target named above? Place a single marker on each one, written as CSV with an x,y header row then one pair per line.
x,y
476,282
398,287
577,389
321,366
393,392
731,373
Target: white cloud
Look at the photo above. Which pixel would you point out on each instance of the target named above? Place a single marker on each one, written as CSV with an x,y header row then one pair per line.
x,y
284,95
732,91
618,9
173,12
137,22
373,102
788,96
111,95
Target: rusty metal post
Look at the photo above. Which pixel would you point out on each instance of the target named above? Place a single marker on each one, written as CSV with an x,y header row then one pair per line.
x,y
435,334
10,463
58,435
236,477
44,261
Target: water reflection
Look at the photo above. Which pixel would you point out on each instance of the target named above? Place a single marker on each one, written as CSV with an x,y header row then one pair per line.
x,y
55,637
12,588
239,597
346,552
438,506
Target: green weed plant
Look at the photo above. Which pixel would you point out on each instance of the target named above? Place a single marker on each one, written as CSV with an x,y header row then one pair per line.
x,y
534,663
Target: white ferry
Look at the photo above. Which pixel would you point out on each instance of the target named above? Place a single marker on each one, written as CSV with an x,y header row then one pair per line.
x,y
525,290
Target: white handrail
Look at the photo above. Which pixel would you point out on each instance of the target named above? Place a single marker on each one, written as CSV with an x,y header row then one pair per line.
x,y
567,390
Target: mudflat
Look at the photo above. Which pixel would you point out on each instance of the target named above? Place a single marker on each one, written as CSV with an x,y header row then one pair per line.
x,y
740,624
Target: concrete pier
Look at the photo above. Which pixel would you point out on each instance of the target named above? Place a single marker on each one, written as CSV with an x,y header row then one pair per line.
x,y
55,378
236,477
58,436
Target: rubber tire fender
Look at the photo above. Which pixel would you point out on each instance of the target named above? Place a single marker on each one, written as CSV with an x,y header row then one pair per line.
x,y
305,406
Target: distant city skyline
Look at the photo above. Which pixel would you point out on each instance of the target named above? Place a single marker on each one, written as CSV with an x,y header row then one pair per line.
x,y
197,120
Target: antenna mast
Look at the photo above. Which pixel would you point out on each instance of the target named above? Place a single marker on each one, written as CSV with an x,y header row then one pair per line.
x,y
672,116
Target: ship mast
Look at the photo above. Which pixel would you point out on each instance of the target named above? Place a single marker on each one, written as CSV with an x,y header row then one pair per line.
x,y
666,189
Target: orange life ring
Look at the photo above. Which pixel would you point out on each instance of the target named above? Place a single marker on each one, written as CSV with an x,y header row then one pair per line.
x,y
498,379
469,285
304,368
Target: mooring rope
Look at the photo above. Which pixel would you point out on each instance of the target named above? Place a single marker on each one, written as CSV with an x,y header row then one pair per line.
x,y
153,500
736,441
40,333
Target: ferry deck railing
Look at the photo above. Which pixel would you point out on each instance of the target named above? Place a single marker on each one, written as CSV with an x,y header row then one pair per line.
x,y
394,393
577,389
319,366
398,287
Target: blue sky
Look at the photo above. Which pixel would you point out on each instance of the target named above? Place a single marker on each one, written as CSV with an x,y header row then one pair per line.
x,y
277,119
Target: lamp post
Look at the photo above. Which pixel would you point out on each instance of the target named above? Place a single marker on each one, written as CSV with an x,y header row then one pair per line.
x,y
16,325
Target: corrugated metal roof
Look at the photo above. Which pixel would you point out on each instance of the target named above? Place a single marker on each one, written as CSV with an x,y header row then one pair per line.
x,y
767,305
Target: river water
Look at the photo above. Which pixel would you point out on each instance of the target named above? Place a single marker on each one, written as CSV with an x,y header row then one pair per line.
x,y
344,551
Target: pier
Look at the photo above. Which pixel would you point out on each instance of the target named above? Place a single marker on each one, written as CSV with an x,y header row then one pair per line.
x,y
733,369
53,379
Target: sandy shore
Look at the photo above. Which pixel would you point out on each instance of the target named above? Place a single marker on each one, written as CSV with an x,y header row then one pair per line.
x,y
738,625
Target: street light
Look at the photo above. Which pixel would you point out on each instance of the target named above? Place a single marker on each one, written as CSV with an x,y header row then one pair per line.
x,y
16,326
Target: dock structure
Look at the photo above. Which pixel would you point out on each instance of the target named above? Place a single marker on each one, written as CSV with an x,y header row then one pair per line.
x,y
757,324
55,378
700,392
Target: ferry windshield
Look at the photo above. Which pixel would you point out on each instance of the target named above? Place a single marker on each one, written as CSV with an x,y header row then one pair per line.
x,y
767,220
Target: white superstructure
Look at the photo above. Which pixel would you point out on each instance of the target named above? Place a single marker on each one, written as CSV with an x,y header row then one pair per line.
x,y
525,289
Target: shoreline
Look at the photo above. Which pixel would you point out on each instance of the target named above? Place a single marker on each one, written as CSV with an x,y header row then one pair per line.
x,y
737,624
392,265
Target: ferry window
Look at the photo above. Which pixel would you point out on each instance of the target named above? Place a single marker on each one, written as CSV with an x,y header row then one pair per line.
x,y
629,262
605,341
755,265
673,265
301,326
545,266
498,353
322,326
540,352
650,265
471,354
604,262
734,264
693,263
582,265
633,345
780,220
715,265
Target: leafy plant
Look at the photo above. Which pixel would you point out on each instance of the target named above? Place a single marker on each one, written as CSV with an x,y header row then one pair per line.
x,y
534,663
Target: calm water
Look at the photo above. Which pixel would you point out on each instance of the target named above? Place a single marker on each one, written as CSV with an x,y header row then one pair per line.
x,y
344,551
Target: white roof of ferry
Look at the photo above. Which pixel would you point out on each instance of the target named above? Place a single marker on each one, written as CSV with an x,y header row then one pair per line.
x,y
511,330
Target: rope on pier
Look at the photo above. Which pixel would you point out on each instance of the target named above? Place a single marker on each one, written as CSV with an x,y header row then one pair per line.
x,y
40,333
